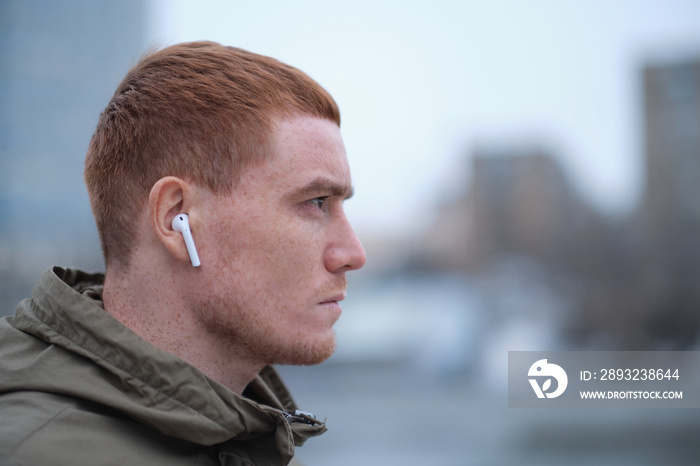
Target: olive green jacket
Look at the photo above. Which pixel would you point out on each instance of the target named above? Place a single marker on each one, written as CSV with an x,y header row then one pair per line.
x,y
79,388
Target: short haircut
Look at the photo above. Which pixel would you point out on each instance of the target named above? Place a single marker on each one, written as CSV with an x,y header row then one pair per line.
x,y
200,111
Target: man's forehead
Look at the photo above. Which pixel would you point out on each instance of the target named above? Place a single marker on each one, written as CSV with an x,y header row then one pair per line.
x,y
307,157
309,152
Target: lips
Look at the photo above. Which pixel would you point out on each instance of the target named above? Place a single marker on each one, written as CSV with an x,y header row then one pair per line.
x,y
334,299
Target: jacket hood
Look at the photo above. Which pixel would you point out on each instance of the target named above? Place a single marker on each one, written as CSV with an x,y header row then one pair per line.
x,y
80,350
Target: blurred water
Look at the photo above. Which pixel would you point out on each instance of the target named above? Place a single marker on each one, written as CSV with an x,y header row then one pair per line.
x,y
386,415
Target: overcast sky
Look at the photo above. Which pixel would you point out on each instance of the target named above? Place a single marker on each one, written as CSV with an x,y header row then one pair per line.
x,y
420,83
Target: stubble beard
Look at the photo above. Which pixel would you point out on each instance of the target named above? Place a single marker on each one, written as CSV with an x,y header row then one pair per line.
x,y
252,336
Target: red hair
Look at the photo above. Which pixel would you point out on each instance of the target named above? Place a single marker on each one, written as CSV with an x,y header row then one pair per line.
x,y
200,111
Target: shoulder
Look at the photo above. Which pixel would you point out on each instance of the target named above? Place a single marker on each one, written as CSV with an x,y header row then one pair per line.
x,y
41,428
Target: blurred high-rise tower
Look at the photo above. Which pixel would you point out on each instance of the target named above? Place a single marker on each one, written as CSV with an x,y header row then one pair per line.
x,y
671,210
672,133
59,64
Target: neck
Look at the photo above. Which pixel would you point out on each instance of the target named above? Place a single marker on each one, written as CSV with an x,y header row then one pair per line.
x,y
155,307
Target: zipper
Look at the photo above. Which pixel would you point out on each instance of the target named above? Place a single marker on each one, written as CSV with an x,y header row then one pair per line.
x,y
301,416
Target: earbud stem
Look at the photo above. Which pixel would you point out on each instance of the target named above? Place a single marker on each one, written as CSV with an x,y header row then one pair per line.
x,y
189,242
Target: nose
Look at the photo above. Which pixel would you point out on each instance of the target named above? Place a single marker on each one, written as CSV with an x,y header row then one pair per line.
x,y
344,251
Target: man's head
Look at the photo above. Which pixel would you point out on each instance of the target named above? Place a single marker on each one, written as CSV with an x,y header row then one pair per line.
x,y
199,111
251,150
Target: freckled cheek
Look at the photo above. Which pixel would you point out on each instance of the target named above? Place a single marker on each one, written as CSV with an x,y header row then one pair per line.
x,y
295,258
281,261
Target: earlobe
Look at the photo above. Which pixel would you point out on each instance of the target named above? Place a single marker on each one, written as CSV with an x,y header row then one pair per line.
x,y
169,197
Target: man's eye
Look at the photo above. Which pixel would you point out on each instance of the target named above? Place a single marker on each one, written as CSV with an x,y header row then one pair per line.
x,y
318,202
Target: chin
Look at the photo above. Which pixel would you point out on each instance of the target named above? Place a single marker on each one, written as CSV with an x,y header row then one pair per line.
x,y
307,353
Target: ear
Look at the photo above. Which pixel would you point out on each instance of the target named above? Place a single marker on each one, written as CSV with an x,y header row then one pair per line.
x,y
170,196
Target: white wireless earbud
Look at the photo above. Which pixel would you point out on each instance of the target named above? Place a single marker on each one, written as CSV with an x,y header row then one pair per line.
x,y
181,223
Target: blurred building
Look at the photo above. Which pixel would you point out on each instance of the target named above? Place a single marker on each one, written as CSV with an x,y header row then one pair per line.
x,y
631,283
520,202
671,207
672,142
523,204
672,198
59,65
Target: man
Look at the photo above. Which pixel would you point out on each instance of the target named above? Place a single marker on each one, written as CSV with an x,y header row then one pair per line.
x,y
159,361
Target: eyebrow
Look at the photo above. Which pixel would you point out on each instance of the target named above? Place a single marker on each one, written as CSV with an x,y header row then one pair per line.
x,y
325,187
